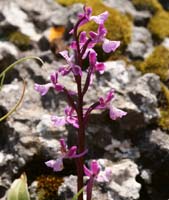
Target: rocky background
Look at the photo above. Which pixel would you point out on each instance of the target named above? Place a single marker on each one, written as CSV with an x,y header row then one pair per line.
x,y
136,147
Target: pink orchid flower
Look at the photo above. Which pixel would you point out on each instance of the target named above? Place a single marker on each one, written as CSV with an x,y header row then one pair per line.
x,y
95,174
66,69
114,112
43,89
86,16
69,118
57,164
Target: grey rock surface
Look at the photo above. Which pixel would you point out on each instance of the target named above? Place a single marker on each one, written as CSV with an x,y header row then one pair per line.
x,y
14,16
126,7
141,43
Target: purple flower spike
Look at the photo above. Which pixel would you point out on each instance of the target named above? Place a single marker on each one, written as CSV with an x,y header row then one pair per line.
x,y
109,46
42,89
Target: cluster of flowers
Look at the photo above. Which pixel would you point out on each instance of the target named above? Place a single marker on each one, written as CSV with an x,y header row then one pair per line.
x,y
83,48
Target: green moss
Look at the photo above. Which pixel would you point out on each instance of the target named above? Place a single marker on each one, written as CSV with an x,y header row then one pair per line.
x,y
152,5
69,2
19,39
47,187
159,25
164,119
158,63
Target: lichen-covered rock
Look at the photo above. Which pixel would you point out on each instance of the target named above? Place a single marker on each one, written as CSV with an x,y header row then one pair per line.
x,y
152,5
70,2
154,149
165,4
22,41
141,43
16,17
144,95
126,7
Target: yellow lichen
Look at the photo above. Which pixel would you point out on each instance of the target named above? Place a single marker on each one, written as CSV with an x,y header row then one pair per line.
x,y
158,63
164,108
56,33
159,25
70,2
19,39
47,187
152,5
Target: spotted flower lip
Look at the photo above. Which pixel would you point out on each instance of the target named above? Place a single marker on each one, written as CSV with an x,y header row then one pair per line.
x,y
69,118
96,66
57,164
43,89
66,69
109,46
114,112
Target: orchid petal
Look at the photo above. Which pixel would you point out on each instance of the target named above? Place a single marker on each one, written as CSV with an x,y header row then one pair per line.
x,y
109,46
83,37
72,152
92,58
73,45
116,113
58,121
95,168
65,55
73,121
104,176
58,87
87,171
42,89
76,70
54,77
57,165
100,67
63,145
100,19
109,96
64,70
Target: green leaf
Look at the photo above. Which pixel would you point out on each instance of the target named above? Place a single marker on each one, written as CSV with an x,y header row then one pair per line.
x,y
76,195
19,189
16,105
3,73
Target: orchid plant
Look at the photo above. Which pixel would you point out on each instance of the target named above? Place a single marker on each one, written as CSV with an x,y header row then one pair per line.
x,y
76,114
